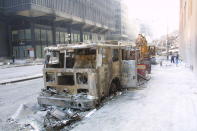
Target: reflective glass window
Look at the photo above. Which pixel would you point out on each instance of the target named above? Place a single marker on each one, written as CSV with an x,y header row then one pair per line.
x,y
43,35
15,35
28,34
21,34
37,34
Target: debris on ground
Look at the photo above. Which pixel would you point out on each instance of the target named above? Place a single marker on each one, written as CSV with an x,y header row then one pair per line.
x,y
52,118
29,117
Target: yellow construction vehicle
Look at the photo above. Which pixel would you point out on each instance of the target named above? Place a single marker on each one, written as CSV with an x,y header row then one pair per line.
x,y
145,55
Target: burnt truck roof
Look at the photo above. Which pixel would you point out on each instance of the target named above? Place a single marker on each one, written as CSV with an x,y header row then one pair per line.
x,y
89,46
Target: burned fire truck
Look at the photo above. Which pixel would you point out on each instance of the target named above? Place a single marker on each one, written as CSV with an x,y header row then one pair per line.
x,y
79,76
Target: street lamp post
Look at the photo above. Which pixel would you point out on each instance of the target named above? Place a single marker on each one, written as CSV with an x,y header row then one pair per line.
x,y
167,43
168,47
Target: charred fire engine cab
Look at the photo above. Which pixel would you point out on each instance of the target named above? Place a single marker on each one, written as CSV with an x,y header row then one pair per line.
x,y
80,75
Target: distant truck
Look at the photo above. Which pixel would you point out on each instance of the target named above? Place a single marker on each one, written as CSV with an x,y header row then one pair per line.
x,y
79,76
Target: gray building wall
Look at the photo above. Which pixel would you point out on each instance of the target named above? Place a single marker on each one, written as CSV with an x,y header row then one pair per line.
x,y
121,21
4,52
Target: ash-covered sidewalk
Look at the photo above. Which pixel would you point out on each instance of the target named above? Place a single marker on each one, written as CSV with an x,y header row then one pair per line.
x,y
14,74
169,103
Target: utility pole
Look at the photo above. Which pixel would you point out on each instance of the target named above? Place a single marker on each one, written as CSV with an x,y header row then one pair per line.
x,y
167,47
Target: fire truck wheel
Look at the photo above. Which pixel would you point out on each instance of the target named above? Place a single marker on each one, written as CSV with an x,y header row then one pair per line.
x,y
113,88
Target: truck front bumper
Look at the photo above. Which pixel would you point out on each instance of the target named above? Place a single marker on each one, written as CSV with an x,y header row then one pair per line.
x,y
67,102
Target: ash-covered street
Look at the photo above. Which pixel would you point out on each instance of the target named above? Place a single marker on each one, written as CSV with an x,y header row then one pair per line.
x,y
13,95
169,103
98,65
11,73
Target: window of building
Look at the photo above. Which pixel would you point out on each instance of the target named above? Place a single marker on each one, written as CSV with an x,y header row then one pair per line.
x,y
28,34
15,51
21,51
57,37
15,36
62,37
66,37
43,35
78,38
49,36
91,37
99,38
21,34
75,38
72,37
87,37
39,51
37,34
42,51
84,37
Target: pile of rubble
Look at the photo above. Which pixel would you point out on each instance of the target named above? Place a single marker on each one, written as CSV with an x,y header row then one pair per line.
x,y
29,117
51,118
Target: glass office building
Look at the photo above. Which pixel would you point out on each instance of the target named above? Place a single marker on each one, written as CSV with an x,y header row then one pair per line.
x,y
27,26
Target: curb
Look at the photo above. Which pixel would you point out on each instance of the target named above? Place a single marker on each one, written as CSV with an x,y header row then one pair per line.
x,y
13,66
21,79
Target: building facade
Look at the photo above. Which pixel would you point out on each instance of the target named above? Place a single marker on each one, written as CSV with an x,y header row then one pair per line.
x,y
27,26
188,32
121,21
